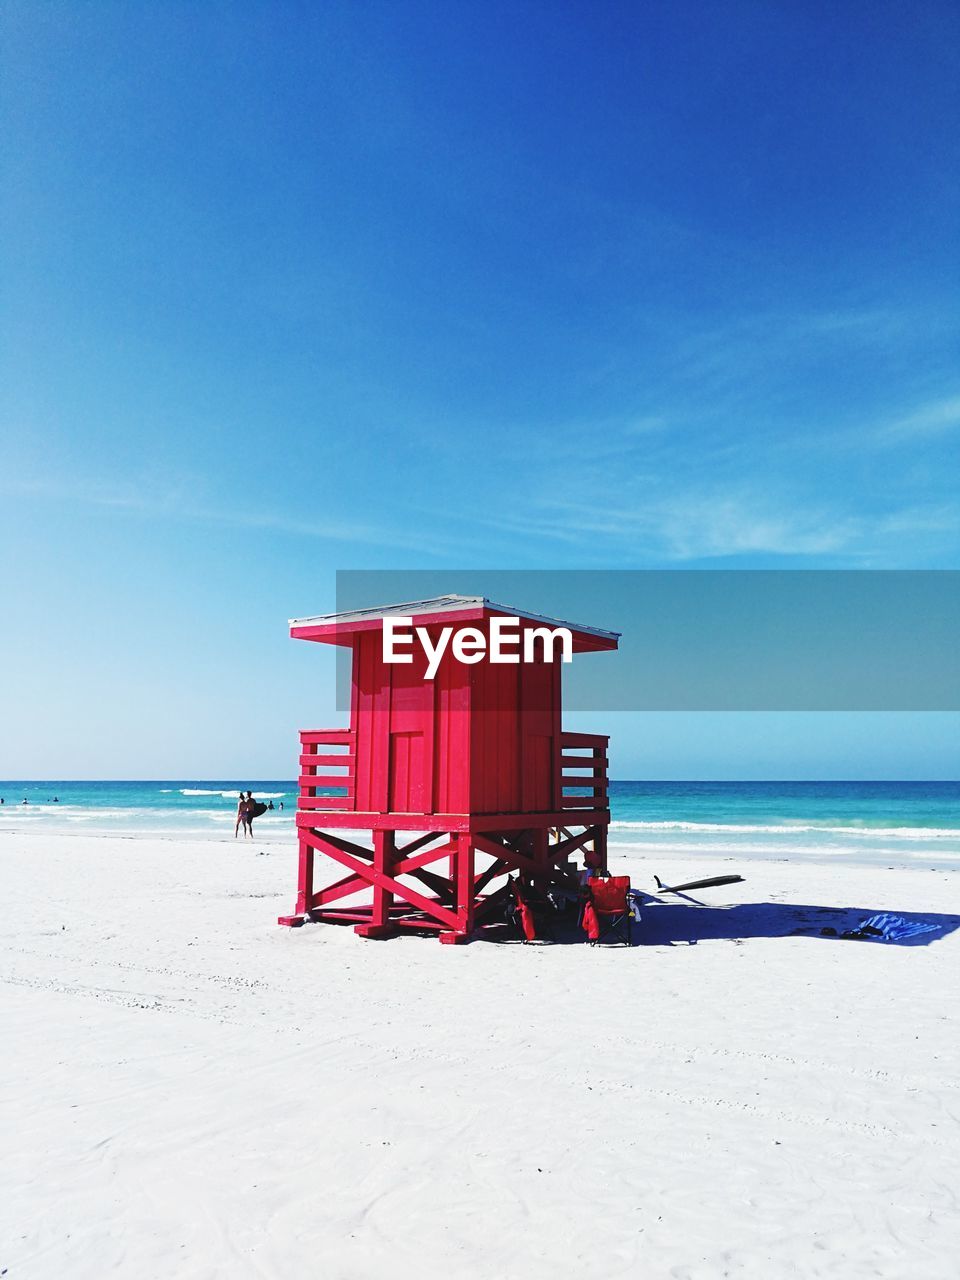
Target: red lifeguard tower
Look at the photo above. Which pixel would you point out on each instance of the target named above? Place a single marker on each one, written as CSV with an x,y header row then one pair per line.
x,y
460,780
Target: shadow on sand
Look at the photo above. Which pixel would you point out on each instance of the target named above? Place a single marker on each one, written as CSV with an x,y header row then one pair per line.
x,y
687,921
666,923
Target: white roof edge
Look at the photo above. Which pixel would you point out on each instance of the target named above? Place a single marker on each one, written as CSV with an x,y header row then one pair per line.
x,y
443,604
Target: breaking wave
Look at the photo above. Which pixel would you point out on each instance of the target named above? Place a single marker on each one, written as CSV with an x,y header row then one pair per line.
x,y
781,829
231,795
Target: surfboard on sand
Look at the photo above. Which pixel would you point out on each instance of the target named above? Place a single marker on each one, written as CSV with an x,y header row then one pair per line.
x,y
711,883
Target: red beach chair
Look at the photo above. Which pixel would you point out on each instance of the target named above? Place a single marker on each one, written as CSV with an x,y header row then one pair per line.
x,y
611,906
531,913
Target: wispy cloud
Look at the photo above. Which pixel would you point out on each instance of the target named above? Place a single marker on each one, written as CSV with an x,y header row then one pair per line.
x,y
687,527
89,492
718,525
939,519
175,502
763,340
933,419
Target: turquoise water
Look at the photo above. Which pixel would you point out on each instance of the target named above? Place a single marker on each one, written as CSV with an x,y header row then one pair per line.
x,y
896,821
854,821
186,808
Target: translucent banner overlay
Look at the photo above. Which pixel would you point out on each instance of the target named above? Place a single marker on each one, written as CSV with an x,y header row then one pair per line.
x,y
724,640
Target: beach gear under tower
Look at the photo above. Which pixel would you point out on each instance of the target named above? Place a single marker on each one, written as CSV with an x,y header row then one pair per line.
x,y
460,780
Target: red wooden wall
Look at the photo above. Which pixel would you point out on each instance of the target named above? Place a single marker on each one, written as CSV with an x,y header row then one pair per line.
x,y
476,739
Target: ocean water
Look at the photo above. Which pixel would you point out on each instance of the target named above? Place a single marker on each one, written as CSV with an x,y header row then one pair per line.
x,y
181,808
896,822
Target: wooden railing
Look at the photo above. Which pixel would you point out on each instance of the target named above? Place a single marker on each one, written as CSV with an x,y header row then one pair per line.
x,y
317,781
328,770
583,771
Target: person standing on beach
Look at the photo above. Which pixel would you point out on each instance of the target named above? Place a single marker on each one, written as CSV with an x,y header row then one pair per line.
x,y
251,805
243,815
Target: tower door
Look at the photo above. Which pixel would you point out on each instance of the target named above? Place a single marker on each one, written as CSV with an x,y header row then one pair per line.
x,y
409,766
412,729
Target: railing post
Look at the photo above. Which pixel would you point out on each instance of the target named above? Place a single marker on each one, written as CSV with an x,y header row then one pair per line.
x,y
384,845
600,845
464,883
305,878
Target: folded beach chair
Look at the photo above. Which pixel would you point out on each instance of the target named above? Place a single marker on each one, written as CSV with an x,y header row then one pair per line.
x,y
612,909
531,913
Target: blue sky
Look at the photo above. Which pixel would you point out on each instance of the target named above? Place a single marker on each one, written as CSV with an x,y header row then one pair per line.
x,y
290,289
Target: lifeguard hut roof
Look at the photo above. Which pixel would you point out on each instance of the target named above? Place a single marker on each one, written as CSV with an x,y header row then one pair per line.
x,y
340,628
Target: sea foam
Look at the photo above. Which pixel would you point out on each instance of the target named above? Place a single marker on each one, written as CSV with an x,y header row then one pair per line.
x,y
733,828
230,795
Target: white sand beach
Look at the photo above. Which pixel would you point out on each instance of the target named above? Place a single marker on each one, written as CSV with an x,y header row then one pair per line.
x,y
189,1091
